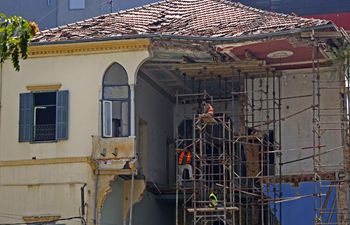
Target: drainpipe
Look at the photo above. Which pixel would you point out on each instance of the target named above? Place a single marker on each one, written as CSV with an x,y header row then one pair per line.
x,y
132,134
131,195
132,110
96,195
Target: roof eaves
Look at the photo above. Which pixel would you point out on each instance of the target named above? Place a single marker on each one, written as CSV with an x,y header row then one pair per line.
x,y
194,38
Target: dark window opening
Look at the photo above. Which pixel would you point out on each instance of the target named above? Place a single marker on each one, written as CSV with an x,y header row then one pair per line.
x,y
120,118
44,116
185,130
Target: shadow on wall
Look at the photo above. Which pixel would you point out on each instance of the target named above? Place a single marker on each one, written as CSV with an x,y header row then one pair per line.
x,y
112,210
153,210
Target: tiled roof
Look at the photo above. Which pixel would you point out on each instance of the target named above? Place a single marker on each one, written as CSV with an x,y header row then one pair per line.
x,y
203,18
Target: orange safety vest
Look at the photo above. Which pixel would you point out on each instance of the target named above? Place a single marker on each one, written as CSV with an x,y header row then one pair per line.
x,y
210,109
182,156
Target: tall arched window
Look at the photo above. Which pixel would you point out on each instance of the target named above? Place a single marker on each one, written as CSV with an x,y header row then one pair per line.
x,y
115,102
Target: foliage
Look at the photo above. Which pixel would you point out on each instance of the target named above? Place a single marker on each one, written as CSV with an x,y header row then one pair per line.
x,y
342,54
15,35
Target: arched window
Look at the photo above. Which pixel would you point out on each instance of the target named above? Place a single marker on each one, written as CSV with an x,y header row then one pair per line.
x,y
115,102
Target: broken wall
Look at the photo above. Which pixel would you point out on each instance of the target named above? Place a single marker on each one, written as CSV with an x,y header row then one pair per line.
x,y
297,114
112,209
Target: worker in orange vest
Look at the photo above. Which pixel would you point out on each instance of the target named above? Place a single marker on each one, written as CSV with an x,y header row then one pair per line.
x,y
208,109
184,163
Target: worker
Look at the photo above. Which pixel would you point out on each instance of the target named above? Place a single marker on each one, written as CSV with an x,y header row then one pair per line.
x,y
208,109
213,200
184,162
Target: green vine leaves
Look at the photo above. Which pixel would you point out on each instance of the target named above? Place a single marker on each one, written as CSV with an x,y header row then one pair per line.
x,y
15,35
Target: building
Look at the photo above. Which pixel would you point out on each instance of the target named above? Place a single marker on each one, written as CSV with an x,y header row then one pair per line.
x,y
337,11
91,127
53,13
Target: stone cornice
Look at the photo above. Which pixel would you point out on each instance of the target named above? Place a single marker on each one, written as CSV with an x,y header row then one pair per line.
x,y
85,48
49,161
48,87
41,219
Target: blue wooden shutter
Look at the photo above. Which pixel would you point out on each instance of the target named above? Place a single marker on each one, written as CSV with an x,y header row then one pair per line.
x,y
107,118
25,117
62,115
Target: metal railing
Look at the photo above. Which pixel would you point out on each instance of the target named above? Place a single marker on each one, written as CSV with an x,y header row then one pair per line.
x,y
44,132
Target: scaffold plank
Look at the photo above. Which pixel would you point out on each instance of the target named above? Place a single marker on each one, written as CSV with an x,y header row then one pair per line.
x,y
231,208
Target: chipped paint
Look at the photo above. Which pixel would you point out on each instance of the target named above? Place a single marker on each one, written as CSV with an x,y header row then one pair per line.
x,y
112,153
139,188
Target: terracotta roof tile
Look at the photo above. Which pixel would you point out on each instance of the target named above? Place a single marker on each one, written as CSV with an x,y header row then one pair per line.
x,y
206,18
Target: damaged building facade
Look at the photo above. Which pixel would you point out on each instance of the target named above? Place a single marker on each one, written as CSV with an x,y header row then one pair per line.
x,y
93,124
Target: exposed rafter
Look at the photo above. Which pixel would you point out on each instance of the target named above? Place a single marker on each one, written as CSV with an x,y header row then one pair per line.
x,y
177,78
163,89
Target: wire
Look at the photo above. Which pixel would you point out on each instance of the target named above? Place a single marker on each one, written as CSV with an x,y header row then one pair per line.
x,y
299,149
52,10
287,199
311,156
10,214
50,221
105,3
10,217
284,118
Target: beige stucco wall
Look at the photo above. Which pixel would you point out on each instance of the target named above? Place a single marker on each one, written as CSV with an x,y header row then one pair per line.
x,y
82,76
43,190
54,189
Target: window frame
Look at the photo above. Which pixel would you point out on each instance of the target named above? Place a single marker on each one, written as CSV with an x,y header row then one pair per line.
x,y
26,134
104,122
49,3
109,80
121,100
76,8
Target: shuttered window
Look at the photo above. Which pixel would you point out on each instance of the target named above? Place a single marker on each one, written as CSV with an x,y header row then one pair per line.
x,y
107,118
62,115
26,117
43,116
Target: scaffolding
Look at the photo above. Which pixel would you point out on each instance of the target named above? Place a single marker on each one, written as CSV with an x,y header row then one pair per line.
x,y
232,163
212,166
239,156
330,195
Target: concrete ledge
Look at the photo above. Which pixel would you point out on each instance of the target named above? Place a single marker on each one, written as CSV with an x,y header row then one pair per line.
x,y
32,162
